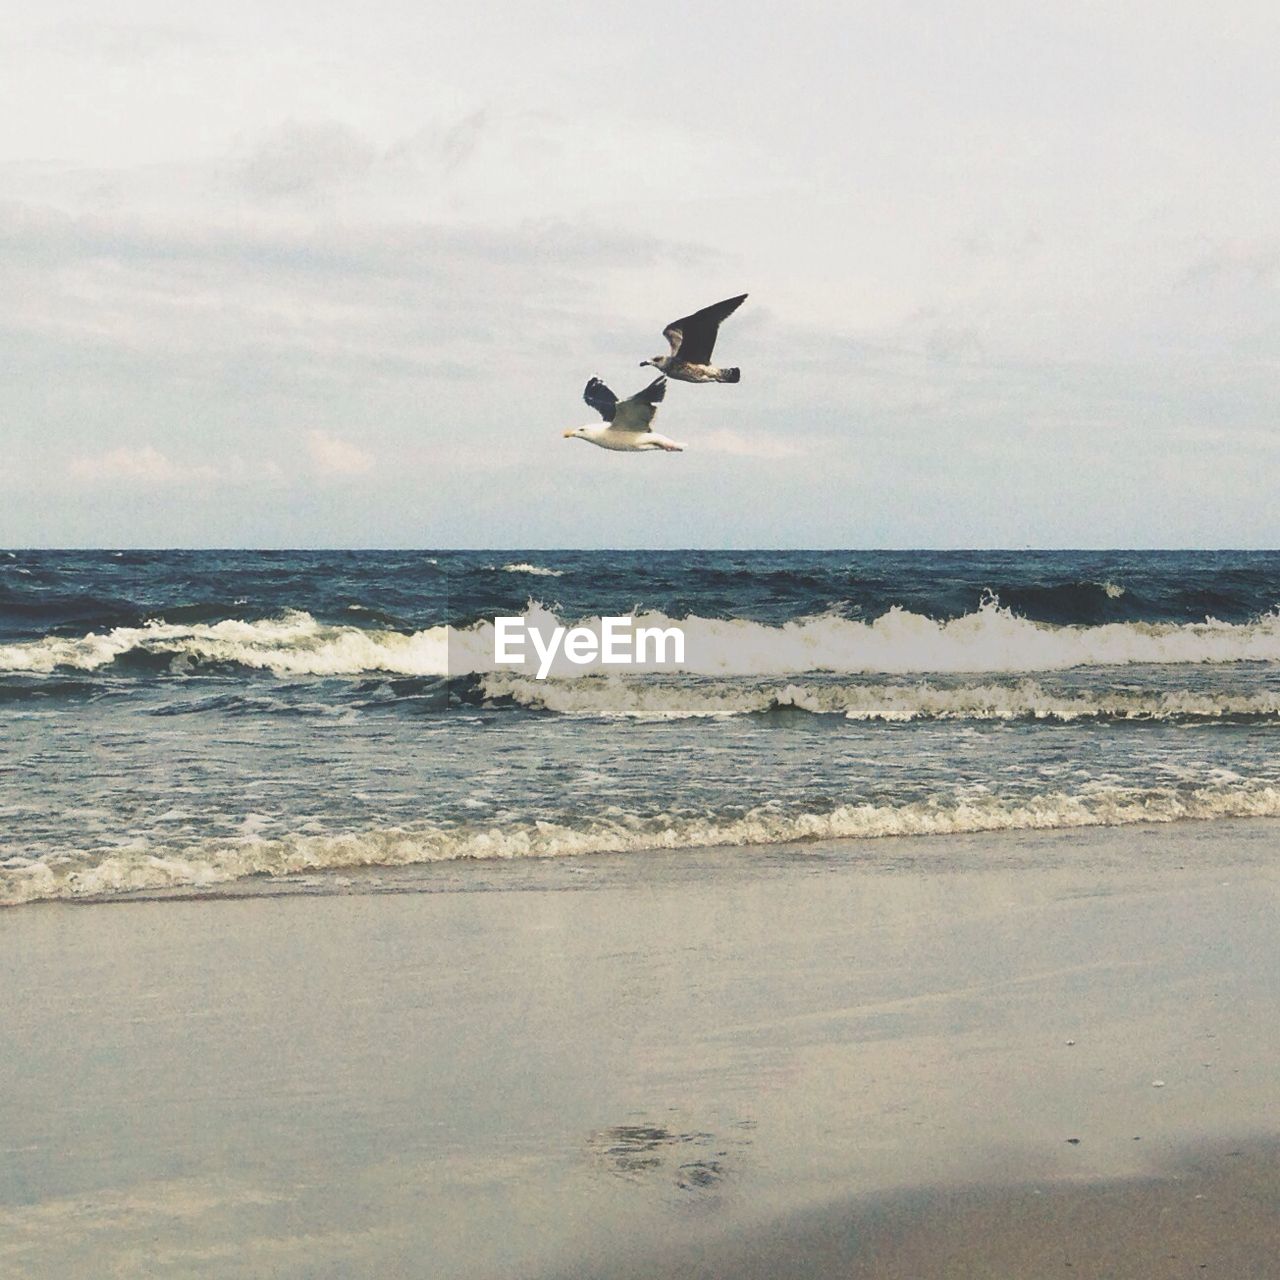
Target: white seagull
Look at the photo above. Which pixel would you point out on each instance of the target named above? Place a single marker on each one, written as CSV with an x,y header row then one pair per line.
x,y
693,338
627,423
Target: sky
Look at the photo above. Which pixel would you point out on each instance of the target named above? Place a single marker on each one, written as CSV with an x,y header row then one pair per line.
x,y
320,275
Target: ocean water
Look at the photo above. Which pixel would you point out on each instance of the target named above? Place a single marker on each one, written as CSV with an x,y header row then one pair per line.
x,y
185,720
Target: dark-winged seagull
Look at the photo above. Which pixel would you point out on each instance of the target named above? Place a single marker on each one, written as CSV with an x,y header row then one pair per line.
x,y
692,339
627,423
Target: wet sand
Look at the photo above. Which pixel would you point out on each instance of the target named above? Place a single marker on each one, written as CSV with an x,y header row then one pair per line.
x,y
1215,1211
859,1059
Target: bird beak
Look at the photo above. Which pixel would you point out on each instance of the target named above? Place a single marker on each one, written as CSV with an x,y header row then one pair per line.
x,y
643,363
567,434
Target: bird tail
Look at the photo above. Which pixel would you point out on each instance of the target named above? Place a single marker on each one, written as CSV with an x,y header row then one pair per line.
x,y
730,375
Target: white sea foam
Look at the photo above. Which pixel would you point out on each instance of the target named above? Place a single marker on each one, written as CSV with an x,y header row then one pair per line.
x,y
215,862
537,570
989,640
617,697
294,644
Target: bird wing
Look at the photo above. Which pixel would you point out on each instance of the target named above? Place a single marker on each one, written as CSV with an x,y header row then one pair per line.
x,y
693,338
601,399
636,412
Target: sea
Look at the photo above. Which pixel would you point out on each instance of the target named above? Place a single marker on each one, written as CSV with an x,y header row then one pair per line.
x,y
192,722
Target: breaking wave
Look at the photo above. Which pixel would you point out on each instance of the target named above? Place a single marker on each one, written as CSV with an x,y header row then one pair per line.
x,y
991,639
292,644
536,570
614,697
214,862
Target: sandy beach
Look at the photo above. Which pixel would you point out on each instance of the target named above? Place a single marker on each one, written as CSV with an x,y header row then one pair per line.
x,y
1211,1212
1013,1055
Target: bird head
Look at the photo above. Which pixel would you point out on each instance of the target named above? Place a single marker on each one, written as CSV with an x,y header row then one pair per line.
x,y
653,362
572,432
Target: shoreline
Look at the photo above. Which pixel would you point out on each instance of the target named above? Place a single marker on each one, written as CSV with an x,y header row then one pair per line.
x,y
540,1069
1013,846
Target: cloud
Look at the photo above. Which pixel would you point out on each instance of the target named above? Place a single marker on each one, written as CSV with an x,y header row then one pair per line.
x,y
243,316
299,159
739,444
1254,261
128,43
332,456
549,250
144,466
446,148
459,143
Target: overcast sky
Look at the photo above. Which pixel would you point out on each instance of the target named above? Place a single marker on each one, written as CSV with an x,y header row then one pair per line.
x,y
287,274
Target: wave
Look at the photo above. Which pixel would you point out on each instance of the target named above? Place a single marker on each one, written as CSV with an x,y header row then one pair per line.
x,y
1083,603
536,570
613,697
292,644
216,862
992,639
43,690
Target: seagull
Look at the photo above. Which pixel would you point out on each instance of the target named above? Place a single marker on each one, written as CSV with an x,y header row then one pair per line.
x,y
692,340
626,422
